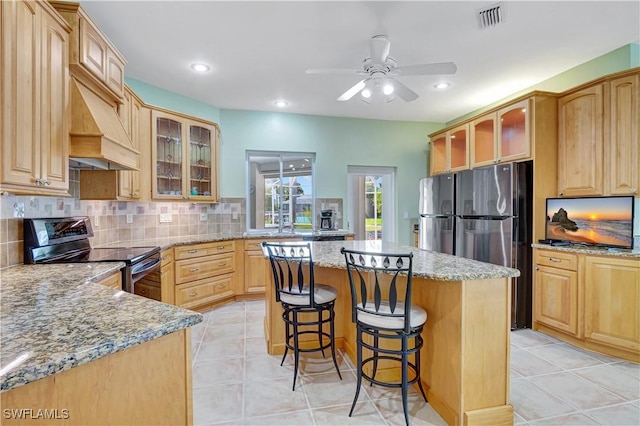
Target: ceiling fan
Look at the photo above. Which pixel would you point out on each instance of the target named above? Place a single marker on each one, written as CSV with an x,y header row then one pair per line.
x,y
381,70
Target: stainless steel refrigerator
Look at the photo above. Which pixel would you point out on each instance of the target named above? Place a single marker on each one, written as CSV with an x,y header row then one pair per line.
x,y
437,220
492,219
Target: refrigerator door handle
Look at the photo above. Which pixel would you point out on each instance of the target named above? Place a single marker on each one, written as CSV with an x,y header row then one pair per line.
x,y
488,217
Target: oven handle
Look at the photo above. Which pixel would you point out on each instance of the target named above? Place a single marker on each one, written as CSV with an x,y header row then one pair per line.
x,y
147,267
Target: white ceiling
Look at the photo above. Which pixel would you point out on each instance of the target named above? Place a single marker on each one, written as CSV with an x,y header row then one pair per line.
x,y
259,51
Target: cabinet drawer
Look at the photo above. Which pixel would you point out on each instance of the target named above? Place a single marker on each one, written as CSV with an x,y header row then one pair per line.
x,y
145,290
203,291
557,259
203,267
253,244
166,257
205,249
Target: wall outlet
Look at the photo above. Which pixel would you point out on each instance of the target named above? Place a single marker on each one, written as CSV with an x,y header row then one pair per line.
x,y
96,221
203,217
129,218
165,218
406,215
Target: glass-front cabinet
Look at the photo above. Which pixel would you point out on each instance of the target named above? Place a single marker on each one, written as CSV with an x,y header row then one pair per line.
x,y
185,152
450,150
501,136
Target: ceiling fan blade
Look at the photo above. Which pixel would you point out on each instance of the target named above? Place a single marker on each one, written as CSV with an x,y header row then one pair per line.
x,y
334,71
427,69
403,91
353,90
379,46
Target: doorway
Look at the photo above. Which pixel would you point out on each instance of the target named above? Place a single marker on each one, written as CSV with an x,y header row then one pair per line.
x,y
371,202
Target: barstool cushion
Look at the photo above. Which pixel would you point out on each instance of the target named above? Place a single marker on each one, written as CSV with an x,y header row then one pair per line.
x,y
373,319
322,294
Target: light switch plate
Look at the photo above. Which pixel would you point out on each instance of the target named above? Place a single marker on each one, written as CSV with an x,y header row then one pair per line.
x,y
203,217
165,218
129,218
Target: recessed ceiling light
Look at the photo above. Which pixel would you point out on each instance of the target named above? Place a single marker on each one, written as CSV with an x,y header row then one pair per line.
x,y
442,85
200,67
281,103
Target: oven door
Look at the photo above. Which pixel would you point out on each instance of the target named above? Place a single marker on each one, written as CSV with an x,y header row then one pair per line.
x,y
137,271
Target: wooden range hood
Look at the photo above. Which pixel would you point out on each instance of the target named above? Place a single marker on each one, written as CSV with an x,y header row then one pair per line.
x,y
98,138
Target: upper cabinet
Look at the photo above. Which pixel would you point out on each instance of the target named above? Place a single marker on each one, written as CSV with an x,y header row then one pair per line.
x,y
450,150
93,56
35,99
184,152
598,138
501,136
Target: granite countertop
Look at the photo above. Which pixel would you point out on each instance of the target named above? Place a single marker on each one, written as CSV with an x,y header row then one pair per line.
x,y
584,249
168,242
426,264
55,317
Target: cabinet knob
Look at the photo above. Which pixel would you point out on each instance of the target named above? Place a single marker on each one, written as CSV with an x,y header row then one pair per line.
x,y
561,193
143,292
537,268
634,190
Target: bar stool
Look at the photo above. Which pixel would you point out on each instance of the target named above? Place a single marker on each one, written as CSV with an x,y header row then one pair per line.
x,y
292,267
380,286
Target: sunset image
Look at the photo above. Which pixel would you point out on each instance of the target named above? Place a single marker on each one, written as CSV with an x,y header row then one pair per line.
x,y
604,221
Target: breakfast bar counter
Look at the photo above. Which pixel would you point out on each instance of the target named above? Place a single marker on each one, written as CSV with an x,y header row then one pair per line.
x,y
465,359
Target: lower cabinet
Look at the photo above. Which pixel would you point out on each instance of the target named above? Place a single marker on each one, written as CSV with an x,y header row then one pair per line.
x,y
612,302
589,301
255,267
159,285
113,281
204,273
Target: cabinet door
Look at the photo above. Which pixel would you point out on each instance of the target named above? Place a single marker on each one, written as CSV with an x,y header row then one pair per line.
x,y
201,156
513,135
256,274
580,142
130,111
439,154
612,302
20,92
623,153
93,50
166,153
54,124
483,140
458,140
556,298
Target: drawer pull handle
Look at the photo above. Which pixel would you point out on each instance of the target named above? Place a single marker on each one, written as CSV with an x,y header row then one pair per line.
x,y
192,251
555,259
221,247
222,264
193,294
165,258
143,291
193,270
222,286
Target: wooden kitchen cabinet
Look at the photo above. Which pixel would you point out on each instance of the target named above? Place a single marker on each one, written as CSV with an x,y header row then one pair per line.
x,y
501,136
598,141
93,57
256,270
113,281
450,150
124,185
159,285
204,273
556,291
589,301
34,84
184,153
622,157
612,302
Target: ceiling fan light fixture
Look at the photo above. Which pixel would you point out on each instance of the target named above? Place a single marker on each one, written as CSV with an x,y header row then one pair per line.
x,y
366,93
387,89
442,85
281,103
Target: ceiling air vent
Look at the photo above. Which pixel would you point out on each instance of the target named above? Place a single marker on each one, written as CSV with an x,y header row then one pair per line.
x,y
491,16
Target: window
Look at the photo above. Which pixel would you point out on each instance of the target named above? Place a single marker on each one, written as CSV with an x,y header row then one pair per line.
x,y
280,193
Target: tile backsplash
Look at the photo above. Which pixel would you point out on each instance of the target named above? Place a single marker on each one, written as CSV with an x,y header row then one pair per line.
x,y
109,218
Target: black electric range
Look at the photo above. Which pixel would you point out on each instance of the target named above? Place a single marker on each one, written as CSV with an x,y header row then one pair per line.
x,y
66,240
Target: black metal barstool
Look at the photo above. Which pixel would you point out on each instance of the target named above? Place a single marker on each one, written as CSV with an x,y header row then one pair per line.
x,y
292,267
380,286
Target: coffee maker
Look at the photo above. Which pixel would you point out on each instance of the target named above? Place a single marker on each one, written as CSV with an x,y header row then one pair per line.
x,y
326,219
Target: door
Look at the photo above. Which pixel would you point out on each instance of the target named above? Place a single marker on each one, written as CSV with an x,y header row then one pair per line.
x,y
487,191
486,240
436,195
436,233
370,213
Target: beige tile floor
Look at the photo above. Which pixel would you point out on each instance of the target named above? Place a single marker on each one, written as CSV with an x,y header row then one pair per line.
x,y
236,383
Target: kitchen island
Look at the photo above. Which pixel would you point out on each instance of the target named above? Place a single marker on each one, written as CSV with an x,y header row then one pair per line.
x,y
465,358
75,352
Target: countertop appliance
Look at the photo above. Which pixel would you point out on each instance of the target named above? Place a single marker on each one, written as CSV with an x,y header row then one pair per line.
x,y
66,240
326,219
491,222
